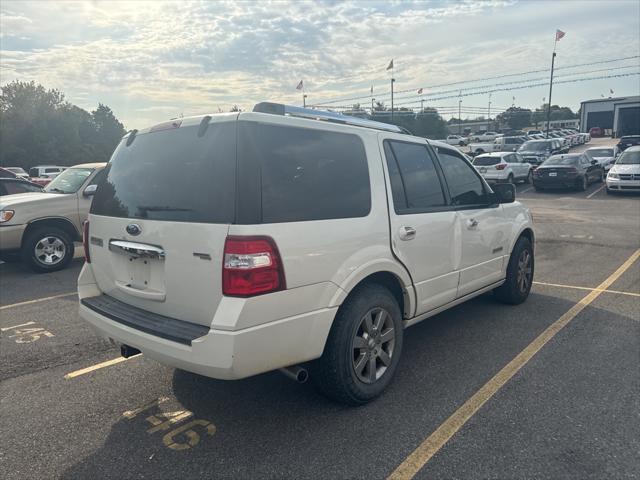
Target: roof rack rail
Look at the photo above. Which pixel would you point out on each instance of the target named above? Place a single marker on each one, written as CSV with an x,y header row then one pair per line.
x,y
282,109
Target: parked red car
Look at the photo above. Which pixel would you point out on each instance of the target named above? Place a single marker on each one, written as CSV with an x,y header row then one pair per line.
x,y
42,181
596,132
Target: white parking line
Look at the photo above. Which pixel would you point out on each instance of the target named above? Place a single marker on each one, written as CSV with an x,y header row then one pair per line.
x,y
592,194
525,190
38,300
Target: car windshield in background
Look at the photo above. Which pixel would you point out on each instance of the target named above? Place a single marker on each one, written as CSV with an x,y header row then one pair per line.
x,y
535,146
68,181
601,152
561,160
629,158
485,161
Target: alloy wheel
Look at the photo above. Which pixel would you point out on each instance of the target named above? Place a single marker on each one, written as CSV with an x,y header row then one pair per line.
x,y
50,250
373,345
524,275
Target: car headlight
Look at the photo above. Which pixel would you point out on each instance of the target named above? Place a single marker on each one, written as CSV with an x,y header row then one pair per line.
x,y
6,215
613,175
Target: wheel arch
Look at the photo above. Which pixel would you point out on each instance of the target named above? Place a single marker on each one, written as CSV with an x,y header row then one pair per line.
x,y
388,274
58,222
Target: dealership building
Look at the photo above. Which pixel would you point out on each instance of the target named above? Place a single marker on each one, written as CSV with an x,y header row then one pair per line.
x,y
618,116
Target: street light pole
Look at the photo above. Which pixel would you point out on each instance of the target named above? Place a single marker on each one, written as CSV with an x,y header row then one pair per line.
x,y
304,100
489,114
372,100
459,117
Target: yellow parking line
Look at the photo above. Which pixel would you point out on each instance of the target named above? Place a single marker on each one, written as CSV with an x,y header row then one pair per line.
x,y
617,292
434,442
38,300
98,366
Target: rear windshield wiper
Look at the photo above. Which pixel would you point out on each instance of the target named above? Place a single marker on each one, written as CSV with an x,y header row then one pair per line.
x,y
54,189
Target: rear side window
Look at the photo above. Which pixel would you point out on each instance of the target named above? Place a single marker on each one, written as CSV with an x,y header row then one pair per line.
x,y
172,175
414,179
306,174
486,161
465,186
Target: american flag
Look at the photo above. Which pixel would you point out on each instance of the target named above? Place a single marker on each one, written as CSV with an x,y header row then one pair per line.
x,y
559,34
300,86
419,91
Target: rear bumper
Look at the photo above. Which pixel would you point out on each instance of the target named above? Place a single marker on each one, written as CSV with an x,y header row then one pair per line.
x,y
11,237
221,354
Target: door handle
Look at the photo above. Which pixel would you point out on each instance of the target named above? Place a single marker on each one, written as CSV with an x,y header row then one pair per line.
x,y
472,223
407,233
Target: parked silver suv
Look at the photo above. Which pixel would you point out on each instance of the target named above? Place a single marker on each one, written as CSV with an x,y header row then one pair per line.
x,y
235,244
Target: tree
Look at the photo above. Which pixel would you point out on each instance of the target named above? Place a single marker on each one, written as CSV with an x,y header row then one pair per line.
x,y
38,126
515,118
235,108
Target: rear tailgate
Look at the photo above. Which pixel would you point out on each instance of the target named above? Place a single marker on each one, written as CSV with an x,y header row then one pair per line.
x,y
159,221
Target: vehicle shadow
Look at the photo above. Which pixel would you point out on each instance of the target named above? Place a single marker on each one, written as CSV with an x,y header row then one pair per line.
x,y
270,427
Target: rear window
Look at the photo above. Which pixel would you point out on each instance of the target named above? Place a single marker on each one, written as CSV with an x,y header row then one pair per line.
x,y
306,174
172,175
485,161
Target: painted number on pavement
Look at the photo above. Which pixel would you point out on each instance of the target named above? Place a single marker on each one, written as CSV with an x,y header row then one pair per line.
x,y
184,435
26,332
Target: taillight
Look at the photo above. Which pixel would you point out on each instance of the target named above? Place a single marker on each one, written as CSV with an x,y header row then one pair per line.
x,y
252,266
85,241
501,166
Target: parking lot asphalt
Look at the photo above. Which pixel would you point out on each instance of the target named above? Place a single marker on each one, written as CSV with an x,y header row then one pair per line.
x,y
570,411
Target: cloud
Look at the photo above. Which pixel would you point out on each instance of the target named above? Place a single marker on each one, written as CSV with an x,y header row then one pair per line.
x,y
152,59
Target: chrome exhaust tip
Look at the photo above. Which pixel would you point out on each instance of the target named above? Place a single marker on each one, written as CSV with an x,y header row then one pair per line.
x,y
296,373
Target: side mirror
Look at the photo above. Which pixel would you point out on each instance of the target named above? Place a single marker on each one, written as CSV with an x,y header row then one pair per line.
x,y
593,162
90,191
504,192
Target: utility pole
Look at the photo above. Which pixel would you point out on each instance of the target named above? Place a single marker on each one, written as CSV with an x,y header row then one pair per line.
x,y
304,100
422,105
489,114
392,81
372,100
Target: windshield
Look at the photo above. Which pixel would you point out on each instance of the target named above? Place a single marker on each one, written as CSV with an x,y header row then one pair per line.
x,y
16,170
629,158
561,160
535,146
68,181
600,152
484,161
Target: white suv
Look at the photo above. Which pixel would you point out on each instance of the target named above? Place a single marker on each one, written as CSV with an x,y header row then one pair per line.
x,y
235,244
503,167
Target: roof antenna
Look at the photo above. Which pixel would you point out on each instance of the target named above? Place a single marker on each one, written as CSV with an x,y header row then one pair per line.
x,y
204,124
132,136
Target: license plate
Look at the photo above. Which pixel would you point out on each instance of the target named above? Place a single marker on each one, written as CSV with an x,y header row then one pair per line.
x,y
483,170
553,174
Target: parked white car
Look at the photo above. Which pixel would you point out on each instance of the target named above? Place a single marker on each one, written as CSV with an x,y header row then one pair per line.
x,y
292,238
624,176
46,171
456,140
500,144
503,167
605,156
485,137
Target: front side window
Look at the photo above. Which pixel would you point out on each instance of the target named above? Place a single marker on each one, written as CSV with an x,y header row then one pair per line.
x,y
465,186
414,179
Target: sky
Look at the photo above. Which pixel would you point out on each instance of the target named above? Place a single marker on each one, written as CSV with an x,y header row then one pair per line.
x,y
154,60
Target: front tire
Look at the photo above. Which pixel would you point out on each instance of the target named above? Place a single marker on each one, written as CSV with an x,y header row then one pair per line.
x,y
517,285
47,249
529,178
584,184
363,348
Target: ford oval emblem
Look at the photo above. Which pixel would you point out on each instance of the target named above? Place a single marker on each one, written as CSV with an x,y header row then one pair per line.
x,y
133,229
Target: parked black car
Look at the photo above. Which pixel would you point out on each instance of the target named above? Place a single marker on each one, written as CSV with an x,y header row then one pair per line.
x,y
537,151
10,186
572,170
628,141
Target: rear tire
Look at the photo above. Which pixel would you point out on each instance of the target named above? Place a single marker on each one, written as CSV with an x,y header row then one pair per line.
x,y
10,257
510,178
47,249
360,360
520,269
584,184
